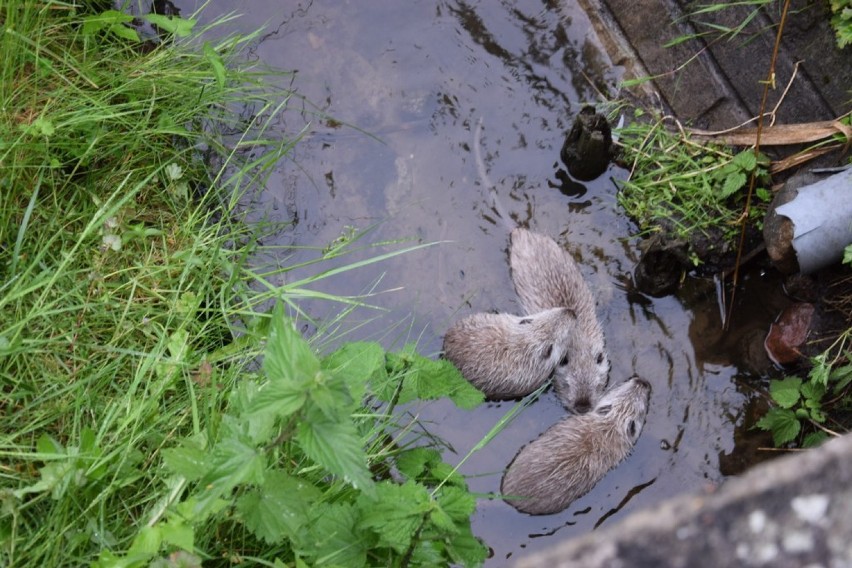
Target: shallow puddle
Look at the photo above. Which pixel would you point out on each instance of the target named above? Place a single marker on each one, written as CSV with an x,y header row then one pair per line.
x,y
417,76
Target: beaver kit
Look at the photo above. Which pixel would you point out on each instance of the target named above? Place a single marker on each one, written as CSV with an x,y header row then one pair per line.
x,y
559,337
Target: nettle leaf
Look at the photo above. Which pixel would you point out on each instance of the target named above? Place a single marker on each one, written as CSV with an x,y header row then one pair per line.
x,y
466,549
279,508
336,539
330,394
396,513
786,392
782,423
335,445
287,357
745,160
232,462
189,460
415,462
457,502
732,184
434,379
104,20
360,364
279,398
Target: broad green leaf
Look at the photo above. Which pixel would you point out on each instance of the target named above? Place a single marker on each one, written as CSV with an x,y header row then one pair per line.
x,y
336,446
216,63
124,32
458,503
336,540
396,514
360,364
415,462
429,553
232,462
257,420
279,508
782,423
146,543
279,398
103,20
188,460
47,445
466,549
172,24
786,392
733,183
745,160
287,357
812,392
331,396
847,255
814,439
177,533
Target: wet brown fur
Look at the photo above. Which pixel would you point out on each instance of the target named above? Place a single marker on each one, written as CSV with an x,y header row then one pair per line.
x,y
508,356
545,276
570,458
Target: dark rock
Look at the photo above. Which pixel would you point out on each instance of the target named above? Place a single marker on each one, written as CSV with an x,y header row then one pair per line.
x,y
661,266
588,146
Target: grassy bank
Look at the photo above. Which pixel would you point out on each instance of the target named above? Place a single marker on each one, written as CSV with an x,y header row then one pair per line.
x,y
135,425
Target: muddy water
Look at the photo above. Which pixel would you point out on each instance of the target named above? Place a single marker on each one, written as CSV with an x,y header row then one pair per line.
x,y
417,76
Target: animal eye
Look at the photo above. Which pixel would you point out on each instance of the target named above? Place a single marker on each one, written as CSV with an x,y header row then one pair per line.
x,y
547,352
604,410
525,321
600,358
564,360
631,428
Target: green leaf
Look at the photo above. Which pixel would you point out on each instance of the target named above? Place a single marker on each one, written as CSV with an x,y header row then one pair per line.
x,y
179,534
745,160
104,20
288,357
432,379
733,183
336,539
814,439
360,363
847,255
124,32
330,394
279,508
415,462
466,549
782,423
216,63
458,503
820,370
172,24
786,392
279,398
336,446
812,393
232,462
841,376
189,460
396,513
146,543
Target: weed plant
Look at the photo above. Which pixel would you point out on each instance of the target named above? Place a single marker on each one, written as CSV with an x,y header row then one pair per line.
x,y
136,426
685,189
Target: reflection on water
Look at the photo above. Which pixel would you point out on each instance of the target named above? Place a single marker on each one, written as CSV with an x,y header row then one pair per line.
x,y
417,76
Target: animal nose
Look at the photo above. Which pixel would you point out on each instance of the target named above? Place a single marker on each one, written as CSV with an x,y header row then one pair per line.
x,y
582,405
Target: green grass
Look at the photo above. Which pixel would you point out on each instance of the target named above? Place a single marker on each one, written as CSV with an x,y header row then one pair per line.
x,y
685,189
132,317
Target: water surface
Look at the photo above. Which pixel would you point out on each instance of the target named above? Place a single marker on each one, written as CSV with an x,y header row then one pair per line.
x,y
418,76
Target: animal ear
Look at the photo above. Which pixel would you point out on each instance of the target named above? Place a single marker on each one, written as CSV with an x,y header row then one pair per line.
x,y
631,429
600,358
564,360
525,321
547,351
603,410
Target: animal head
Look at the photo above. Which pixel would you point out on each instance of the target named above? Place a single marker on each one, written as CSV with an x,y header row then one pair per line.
x,y
582,375
625,408
548,334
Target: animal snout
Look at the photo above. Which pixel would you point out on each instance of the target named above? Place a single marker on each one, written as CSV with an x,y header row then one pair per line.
x,y
582,405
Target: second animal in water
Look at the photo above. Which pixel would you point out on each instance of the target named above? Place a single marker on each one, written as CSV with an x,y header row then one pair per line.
x,y
570,458
507,356
545,276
